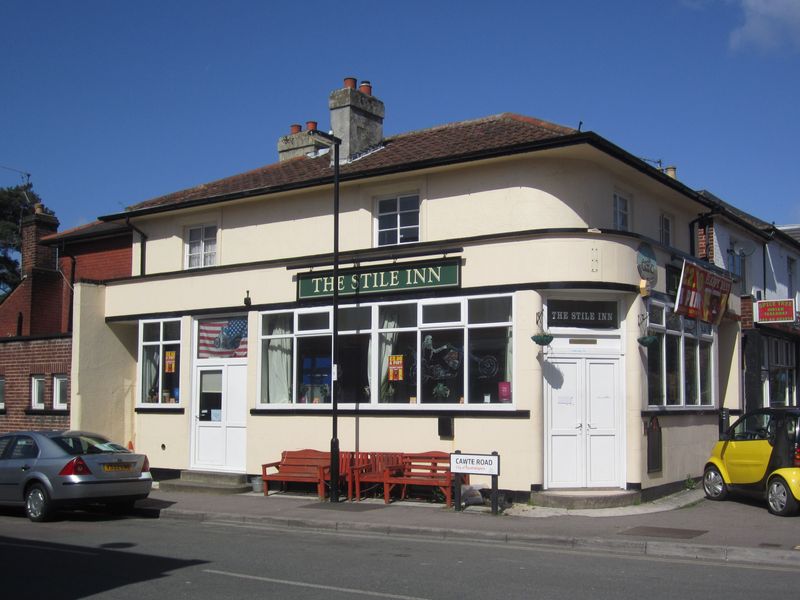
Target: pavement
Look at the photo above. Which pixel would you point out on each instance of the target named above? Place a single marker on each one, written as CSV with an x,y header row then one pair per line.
x,y
684,525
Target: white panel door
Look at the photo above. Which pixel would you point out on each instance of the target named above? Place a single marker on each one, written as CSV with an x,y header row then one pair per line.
x,y
220,411
583,413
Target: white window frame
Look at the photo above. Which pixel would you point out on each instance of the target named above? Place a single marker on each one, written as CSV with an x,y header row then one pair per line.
x,y
398,212
622,209
59,386
665,229
374,367
704,333
208,258
160,343
37,392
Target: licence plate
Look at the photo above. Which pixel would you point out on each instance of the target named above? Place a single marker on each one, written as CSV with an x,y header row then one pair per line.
x,y
108,467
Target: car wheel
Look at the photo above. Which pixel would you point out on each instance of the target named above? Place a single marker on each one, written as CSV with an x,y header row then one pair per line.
x,y
713,484
38,506
780,500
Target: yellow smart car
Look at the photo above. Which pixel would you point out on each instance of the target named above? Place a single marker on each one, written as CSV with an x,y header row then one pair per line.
x,y
758,455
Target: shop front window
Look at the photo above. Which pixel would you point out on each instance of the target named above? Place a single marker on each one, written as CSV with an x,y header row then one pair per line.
x,y
457,351
159,358
779,372
680,362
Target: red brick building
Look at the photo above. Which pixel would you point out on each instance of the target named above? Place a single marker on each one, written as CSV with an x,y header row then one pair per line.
x,y
36,318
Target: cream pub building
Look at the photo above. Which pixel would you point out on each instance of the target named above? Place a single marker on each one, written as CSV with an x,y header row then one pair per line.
x,y
495,279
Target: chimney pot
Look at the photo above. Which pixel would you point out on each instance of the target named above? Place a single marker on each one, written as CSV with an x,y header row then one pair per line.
x,y
311,125
295,128
350,82
671,172
365,88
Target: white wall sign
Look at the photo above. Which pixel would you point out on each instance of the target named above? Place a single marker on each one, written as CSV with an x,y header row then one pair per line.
x,y
475,464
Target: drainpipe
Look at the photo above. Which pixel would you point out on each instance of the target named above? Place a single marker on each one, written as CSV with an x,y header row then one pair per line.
x,y
143,248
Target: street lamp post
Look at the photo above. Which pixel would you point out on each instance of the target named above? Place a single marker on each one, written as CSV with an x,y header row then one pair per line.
x,y
333,141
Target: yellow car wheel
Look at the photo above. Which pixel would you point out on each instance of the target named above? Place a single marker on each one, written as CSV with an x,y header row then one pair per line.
x,y
713,484
780,500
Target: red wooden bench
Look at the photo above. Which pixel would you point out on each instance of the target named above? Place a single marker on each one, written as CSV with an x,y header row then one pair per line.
x,y
369,467
305,466
430,469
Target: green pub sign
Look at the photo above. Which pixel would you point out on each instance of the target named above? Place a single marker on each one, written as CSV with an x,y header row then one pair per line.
x,y
381,280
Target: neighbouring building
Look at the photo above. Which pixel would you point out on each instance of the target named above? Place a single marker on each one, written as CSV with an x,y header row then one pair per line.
x,y
505,284
36,317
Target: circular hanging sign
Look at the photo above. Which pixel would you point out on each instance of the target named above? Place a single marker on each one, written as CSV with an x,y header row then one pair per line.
x,y
646,263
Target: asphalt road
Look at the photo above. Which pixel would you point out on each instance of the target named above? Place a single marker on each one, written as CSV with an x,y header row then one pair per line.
x,y
99,556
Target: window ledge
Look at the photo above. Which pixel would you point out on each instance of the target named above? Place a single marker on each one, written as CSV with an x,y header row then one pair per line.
x,y
50,412
680,410
498,413
160,410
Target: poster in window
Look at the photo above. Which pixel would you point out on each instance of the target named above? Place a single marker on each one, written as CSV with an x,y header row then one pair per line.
x,y
169,361
396,367
504,391
222,338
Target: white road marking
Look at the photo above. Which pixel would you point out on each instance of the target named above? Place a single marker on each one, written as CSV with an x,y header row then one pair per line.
x,y
313,585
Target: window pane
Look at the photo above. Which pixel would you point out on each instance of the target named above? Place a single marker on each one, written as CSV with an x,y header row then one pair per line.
x,y
222,338
397,315
655,380
386,238
210,233
387,222
409,219
353,319
398,358
172,331
490,365
690,372
151,332
277,324
656,314
353,384
276,367
170,376
409,234
210,408
706,396
2,396
387,206
313,321
151,358
441,313
673,321
409,203
194,262
442,366
490,310
672,345
195,235
314,369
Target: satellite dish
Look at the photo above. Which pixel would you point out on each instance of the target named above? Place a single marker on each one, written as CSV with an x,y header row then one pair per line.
x,y
743,248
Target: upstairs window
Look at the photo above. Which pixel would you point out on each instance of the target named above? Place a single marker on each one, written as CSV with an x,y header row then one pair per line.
x,y
201,246
666,230
622,212
398,220
2,395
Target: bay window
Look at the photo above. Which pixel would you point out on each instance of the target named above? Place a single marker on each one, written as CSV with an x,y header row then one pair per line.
x,y
680,361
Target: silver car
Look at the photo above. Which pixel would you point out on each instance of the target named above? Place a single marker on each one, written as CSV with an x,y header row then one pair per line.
x,y
46,470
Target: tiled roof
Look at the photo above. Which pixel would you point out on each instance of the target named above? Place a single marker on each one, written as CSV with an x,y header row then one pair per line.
x,y
793,231
447,143
89,230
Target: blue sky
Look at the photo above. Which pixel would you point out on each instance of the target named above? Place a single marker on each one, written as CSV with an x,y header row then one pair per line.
x,y
110,103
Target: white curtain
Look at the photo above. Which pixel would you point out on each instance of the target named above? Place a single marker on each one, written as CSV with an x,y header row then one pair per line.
x,y
388,340
277,372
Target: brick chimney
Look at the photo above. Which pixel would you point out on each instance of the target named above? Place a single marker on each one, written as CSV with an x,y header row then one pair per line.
x,y
356,118
32,254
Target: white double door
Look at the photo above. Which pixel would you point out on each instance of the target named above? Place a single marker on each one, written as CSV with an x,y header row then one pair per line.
x,y
583,414
220,418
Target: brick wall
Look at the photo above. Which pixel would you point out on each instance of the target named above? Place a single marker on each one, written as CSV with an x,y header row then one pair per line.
x,y
21,358
747,312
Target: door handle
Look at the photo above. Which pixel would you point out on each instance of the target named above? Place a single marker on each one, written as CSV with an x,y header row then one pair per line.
x,y
592,426
25,468
579,426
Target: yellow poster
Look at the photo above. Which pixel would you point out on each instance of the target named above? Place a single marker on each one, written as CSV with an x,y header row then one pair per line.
x,y
396,367
169,361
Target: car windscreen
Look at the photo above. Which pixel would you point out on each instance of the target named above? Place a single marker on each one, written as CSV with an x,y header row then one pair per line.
x,y
83,444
